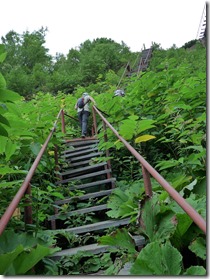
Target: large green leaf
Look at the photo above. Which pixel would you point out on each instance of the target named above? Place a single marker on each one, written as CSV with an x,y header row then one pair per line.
x,y
184,222
157,225
167,164
117,198
145,124
189,187
4,120
35,148
3,131
120,239
198,246
158,259
2,83
29,258
10,184
195,271
8,95
3,141
10,149
127,128
8,258
9,241
21,252
7,170
3,108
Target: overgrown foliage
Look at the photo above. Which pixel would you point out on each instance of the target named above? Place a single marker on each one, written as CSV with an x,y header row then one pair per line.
x,y
163,115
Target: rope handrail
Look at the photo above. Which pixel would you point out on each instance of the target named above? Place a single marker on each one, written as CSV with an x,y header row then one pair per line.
x,y
192,213
14,203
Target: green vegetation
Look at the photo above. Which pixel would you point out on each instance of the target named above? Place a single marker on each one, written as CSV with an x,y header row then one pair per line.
x,y
28,68
163,115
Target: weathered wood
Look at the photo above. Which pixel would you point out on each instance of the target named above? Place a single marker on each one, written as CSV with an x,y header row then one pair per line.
x,y
83,170
75,149
92,184
85,197
79,152
89,175
79,163
85,157
79,211
93,248
81,142
98,226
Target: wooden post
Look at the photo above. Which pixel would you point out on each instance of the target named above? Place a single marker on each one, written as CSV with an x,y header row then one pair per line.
x,y
28,207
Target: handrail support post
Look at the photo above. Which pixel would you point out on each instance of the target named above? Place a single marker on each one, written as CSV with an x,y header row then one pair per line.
x,y
94,120
63,121
147,181
28,207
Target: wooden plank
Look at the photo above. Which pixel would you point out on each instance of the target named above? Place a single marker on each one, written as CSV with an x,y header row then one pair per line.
x,y
85,197
85,157
139,240
79,163
98,226
75,149
79,211
84,176
84,169
82,142
79,152
92,184
94,248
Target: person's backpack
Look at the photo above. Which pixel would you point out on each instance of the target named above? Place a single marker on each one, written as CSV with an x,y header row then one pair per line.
x,y
81,102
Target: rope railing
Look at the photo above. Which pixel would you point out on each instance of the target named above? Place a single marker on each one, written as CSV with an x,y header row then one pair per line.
x,y
148,169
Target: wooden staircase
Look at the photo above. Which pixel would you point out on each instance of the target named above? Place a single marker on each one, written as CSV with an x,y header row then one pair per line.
x,y
81,171
143,63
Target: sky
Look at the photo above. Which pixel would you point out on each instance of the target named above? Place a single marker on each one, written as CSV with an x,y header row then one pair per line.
x,y
137,23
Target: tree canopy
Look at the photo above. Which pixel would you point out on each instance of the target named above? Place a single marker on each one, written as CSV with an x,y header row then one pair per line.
x,y
29,68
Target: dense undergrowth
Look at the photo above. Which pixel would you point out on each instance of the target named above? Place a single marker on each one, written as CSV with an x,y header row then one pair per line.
x,y
163,115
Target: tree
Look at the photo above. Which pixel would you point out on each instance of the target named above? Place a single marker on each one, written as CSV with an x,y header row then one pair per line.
x,y
28,64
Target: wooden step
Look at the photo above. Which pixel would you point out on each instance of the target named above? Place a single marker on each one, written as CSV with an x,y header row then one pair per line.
x,y
79,163
89,175
94,248
92,184
98,226
79,211
85,197
75,149
80,158
83,170
81,142
74,154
